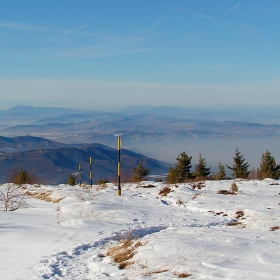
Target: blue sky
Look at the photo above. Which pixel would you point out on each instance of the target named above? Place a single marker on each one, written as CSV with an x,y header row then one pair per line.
x,y
108,54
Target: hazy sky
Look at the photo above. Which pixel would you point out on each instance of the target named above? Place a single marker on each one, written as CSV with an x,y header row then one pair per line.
x,y
106,54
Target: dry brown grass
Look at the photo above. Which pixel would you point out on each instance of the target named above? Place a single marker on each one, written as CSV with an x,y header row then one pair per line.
x,y
45,196
196,195
274,228
57,200
199,184
125,249
155,272
238,224
239,214
182,274
146,186
165,191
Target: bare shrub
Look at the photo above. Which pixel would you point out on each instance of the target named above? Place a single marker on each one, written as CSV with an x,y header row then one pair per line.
x,y
253,174
165,191
85,195
13,197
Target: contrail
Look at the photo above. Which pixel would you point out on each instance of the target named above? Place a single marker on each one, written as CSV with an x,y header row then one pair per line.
x,y
227,12
222,16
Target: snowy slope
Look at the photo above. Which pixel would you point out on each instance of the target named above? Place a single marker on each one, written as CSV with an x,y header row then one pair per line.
x,y
186,233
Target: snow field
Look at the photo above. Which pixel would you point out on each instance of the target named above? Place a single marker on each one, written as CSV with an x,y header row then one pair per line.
x,y
185,233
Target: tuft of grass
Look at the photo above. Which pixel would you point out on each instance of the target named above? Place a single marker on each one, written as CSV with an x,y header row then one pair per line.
x,y
239,214
274,228
238,224
180,202
196,195
225,192
125,249
155,272
182,274
57,200
234,188
198,185
165,191
146,186
45,196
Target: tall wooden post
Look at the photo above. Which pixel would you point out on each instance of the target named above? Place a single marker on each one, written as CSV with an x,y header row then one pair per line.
x,y
119,165
80,174
90,171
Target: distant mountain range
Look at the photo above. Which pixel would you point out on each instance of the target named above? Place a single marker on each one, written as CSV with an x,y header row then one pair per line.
x,y
136,125
157,132
27,143
53,162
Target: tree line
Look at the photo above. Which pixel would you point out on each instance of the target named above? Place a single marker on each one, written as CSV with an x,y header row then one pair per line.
x,y
181,171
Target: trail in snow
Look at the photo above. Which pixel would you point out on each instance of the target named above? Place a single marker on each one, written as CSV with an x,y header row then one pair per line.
x,y
185,232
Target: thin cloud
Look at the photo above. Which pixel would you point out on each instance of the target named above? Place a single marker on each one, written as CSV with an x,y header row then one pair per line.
x,y
156,23
76,29
20,26
37,28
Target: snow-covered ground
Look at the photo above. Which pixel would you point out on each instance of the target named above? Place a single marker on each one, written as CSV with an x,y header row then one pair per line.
x,y
192,232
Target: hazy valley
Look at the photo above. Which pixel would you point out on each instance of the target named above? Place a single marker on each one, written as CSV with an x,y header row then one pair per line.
x,y
156,132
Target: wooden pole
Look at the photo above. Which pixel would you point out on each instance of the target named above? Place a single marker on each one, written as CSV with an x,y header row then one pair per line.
x,y
119,166
80,175
90,171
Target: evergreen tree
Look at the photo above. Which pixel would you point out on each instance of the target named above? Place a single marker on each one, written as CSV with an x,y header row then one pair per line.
x,y
201,170
22,177
268,167
72,180
221,174
140,172
181,170
240,167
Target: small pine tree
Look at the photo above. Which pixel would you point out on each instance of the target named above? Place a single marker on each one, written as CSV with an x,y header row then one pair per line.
x,y
102,182
240,167
140,172
72,180
172,177
181,170
201,170
22,177
268,167
221,174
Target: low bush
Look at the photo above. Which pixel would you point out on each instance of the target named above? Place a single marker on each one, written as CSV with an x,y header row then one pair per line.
x,y
234,188
165,191
102,182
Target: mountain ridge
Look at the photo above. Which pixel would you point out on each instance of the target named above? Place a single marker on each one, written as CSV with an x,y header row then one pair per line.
x,y
55,165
